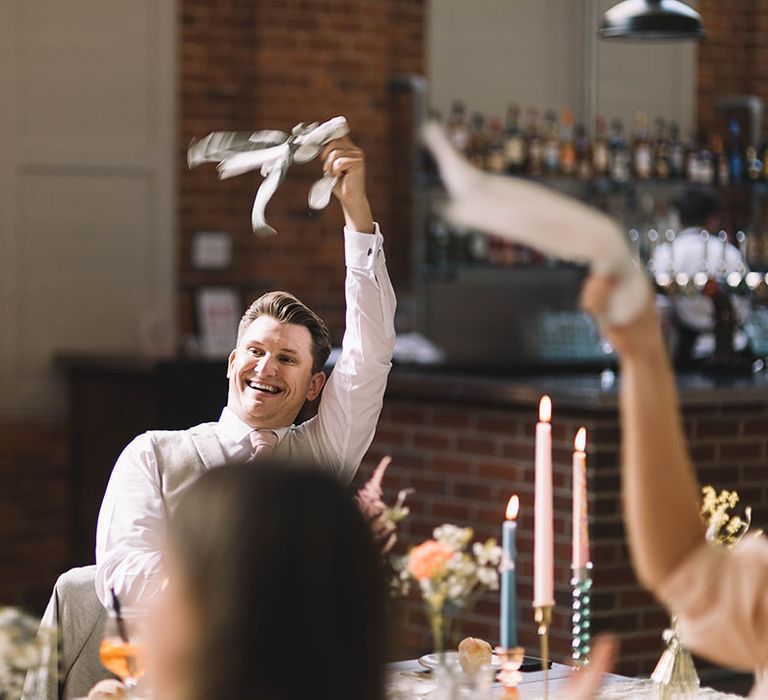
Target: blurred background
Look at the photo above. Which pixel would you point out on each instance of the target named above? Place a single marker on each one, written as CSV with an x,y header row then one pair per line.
x,y
121,271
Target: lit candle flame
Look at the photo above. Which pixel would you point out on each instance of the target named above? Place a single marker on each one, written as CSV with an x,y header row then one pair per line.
x,y
513,507
580,441
545,409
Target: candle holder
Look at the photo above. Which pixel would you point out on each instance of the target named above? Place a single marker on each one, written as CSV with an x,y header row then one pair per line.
x,y
581,615
510,661
543,617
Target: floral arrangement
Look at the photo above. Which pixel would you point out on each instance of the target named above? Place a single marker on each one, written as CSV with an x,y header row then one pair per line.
x,y
450,574
382,518
20,650
723,528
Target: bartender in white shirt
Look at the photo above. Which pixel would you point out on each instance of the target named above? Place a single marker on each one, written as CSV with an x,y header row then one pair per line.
x,y
690,254
275,367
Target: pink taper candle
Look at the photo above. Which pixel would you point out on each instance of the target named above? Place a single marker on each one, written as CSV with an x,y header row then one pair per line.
x,y
580,555
543,559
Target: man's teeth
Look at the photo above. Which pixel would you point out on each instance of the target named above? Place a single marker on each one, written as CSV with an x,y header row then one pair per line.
x,y
263,387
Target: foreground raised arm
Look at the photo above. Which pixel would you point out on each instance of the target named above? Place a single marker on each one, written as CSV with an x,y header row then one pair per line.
x,y
660,490
719,594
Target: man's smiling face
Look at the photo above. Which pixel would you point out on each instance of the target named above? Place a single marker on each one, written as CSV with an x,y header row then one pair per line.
x,y
270,373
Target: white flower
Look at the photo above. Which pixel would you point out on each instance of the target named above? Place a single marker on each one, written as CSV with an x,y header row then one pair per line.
x,y
488,577
454,537
20,649
487,553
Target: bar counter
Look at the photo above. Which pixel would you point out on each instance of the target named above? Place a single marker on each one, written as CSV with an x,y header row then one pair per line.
x,y
573,390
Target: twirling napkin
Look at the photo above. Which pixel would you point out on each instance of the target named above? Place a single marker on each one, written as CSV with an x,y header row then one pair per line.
x,y
540,218
238,152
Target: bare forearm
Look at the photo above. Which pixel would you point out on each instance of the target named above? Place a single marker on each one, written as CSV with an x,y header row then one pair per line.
x,y
357,215
660,490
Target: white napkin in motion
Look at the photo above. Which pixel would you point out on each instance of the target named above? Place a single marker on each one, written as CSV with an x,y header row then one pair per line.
x,y
273,152
540,218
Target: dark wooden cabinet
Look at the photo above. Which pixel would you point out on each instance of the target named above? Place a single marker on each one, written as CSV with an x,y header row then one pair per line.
x,y
114,399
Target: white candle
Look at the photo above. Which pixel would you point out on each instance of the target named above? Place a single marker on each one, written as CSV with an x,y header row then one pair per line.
x,y
580,555
543,554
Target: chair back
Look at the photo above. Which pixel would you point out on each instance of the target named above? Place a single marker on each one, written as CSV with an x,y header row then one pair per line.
x,y
71,667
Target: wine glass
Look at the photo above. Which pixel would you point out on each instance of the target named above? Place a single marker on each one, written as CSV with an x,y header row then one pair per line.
x,y
122,649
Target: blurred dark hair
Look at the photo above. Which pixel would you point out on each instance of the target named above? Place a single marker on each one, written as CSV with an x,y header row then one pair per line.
x,y
288,584
697,205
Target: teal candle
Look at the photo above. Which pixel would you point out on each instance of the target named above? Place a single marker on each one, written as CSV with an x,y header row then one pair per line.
x,y
508,617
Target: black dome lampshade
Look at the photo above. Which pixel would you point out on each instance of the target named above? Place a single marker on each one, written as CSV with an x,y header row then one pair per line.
x,y
652,20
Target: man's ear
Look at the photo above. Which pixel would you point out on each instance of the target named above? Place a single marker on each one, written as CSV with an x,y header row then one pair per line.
x,y
230,362
316,386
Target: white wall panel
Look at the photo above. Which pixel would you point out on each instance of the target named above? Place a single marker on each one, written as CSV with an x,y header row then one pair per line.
x,y
86,185
659,78
532,52
493,52
84,287
84,72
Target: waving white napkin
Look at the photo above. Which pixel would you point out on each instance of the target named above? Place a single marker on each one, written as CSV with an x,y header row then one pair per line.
x,y
238,152
536,216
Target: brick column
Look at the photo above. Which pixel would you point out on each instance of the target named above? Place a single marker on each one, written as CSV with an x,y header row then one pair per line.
x,y
733,60
263,64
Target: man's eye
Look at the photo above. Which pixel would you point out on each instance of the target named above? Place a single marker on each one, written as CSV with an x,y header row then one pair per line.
x,y
289,360
256,351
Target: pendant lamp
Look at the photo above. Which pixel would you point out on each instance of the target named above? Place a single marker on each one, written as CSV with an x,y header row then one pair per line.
x,y
652,20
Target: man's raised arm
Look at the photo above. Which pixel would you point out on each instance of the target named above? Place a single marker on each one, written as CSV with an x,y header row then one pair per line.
x,y
352,399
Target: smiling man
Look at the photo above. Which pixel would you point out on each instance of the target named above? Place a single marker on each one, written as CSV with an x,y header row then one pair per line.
x,y
276,366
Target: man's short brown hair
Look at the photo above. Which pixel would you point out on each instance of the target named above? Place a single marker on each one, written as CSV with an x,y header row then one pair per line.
x,y
286,308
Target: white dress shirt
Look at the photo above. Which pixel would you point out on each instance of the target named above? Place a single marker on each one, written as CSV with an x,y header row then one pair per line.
x,y
686,255
132,524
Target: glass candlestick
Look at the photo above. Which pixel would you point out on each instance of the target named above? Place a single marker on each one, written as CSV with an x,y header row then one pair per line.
x,y
510,661
581,616
675,675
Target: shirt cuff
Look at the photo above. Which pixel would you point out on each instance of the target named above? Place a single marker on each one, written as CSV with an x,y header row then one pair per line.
x,y
362,250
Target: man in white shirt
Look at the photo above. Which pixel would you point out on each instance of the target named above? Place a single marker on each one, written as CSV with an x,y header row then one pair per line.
x,y
275,367
692,254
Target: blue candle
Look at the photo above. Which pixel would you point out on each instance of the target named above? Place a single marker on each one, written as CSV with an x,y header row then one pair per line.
x,y
508,621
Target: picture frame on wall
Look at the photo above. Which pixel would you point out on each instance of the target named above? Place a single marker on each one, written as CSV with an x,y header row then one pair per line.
x,y
218,313
211,250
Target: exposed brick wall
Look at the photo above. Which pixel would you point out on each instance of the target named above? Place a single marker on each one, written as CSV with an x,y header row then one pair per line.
x,y
216,85
264,64
465,462
35,511
733,60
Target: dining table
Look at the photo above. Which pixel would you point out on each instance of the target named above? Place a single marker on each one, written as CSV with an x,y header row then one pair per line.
x,y
410,680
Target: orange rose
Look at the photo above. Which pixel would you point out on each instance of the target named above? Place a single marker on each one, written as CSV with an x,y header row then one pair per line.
x,y
428,560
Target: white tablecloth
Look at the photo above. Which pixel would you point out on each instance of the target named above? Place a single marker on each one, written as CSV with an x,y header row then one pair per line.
x,y
407,680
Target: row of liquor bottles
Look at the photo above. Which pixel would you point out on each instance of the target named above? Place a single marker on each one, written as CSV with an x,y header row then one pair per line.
x,y
548,145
